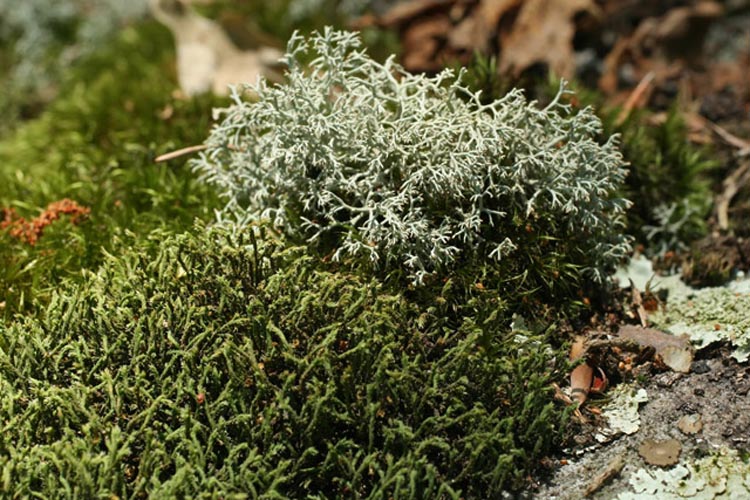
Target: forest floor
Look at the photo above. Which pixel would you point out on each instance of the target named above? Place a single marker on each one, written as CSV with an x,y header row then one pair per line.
x,y
713,396
655,432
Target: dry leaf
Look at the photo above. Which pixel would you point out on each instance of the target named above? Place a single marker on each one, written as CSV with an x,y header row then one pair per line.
x,y
476,31
676,352
422,41
543,33
207,60
658,42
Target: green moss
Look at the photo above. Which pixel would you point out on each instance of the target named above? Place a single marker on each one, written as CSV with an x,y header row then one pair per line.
x,y
213,365
668,181
96,144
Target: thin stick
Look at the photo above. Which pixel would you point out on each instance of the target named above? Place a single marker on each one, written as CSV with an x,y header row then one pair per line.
x,y
636,97
611,470
729,137
180,152
732,185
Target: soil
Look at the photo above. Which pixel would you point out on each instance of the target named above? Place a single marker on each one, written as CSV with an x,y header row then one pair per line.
x,y
717,389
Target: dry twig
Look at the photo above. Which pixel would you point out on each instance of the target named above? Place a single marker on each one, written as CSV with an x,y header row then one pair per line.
x,y
732,184
638,97
611,470
180,152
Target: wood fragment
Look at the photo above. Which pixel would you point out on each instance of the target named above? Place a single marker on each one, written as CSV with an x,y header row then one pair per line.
x,y
727,136
638,305
180,152
732,185
612,469
637,97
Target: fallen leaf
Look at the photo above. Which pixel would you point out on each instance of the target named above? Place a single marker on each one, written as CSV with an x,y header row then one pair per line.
x,y
542,33
476,31
659,44
422,41
405,11
676,352
207,60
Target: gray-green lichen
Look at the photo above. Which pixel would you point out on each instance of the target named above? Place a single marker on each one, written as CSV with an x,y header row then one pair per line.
x,y
621,412
415,171
710,315
721,475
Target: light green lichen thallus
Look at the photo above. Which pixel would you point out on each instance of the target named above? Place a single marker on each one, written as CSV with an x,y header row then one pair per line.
x,y
710,315
721,475
621,413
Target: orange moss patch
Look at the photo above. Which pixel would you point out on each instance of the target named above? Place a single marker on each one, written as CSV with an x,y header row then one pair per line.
x,y
30,231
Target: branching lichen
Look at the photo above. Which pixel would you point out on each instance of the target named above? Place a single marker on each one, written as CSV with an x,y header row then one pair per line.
x,y
413,171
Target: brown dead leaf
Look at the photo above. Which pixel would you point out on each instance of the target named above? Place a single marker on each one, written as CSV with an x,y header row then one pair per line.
x,y
523,33
405,12
477,31
676,352
422,41
207,60
543,33
660,44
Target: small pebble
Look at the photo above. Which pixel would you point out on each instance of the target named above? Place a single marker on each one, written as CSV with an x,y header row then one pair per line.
x,y
700,366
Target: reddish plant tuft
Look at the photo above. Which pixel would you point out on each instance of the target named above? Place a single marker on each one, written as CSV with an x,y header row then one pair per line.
x,y
30,231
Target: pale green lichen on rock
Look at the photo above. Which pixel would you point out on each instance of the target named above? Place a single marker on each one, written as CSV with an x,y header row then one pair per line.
x,y
407,170
720,475
710,315
621,412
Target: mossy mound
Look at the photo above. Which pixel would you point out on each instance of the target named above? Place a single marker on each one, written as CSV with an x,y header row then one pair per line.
x,y
217,366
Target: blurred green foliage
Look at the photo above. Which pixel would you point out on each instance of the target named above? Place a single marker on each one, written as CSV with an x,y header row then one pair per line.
x,y
96,144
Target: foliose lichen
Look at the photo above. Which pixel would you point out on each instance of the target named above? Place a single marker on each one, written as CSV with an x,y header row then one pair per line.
x,y
621,412
710,315
723,474
414,171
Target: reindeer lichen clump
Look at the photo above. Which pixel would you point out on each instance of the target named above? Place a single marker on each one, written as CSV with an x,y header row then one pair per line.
x,y
413,171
